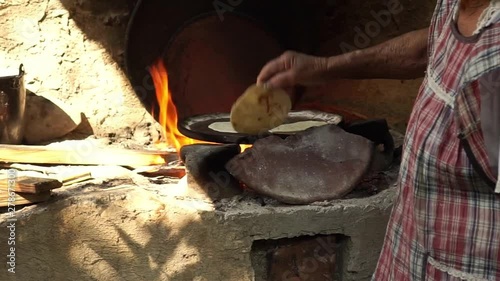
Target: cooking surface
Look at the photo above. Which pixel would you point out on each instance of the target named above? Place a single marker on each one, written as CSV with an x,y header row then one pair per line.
x,y
197,127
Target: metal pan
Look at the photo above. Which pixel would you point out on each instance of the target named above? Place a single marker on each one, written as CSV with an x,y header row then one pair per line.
x,y
197,127
12,107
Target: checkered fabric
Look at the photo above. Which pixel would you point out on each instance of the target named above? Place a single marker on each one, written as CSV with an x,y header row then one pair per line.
x,y
445,223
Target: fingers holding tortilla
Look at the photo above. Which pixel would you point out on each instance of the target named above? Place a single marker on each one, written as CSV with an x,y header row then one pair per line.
x,y
260,109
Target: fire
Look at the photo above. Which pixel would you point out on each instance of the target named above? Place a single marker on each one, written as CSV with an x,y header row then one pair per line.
x,y
168,112
245,147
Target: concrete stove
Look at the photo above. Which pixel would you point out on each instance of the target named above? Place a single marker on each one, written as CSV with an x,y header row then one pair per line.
x,y
131,229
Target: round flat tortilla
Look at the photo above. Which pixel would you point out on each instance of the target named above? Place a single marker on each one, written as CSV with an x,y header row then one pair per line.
x,y
227,127
222,127
297,126
260,109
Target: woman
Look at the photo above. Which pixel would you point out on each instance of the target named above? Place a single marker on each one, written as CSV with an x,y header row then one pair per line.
x,y
445,224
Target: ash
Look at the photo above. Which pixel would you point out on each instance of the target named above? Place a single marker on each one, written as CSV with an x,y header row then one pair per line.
x,y
372,184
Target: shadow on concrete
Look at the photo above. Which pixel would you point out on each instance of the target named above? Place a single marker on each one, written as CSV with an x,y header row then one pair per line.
x,y
113,242
104,22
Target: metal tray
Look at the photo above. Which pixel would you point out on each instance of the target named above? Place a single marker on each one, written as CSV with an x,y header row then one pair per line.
x,y
197,127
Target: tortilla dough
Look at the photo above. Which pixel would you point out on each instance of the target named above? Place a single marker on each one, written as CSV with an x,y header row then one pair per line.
x,y
227,127
260,109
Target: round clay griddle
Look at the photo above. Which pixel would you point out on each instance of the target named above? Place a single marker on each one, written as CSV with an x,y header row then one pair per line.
x,y
197,127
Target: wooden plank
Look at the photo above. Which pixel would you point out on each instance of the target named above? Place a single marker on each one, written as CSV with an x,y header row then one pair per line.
x,y
76,178
67,175
27,167
62,173
30,185
82,156
22,198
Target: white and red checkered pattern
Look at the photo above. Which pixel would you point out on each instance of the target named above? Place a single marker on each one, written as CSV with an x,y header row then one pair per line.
x,y
445,223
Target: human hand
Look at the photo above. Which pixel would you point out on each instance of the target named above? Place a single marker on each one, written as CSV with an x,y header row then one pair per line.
x,y
292,69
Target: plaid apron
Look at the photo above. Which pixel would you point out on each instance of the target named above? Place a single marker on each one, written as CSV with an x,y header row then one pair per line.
x,y
445,223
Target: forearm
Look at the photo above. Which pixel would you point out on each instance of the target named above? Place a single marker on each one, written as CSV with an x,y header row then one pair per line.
x,y
404,57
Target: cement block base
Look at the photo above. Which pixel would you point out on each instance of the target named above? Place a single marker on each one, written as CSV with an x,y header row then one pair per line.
x,y
158,233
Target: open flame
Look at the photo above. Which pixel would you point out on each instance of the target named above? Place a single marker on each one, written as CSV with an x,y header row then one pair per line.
x,y
168,112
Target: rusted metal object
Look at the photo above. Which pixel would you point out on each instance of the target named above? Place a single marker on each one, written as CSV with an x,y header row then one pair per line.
x,y
322,163
12,108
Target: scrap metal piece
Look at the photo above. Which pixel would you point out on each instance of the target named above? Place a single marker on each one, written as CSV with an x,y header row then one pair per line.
x,y
205,170
12,107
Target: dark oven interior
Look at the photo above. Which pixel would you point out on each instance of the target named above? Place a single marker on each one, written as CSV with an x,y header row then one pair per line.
x,y
214,50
